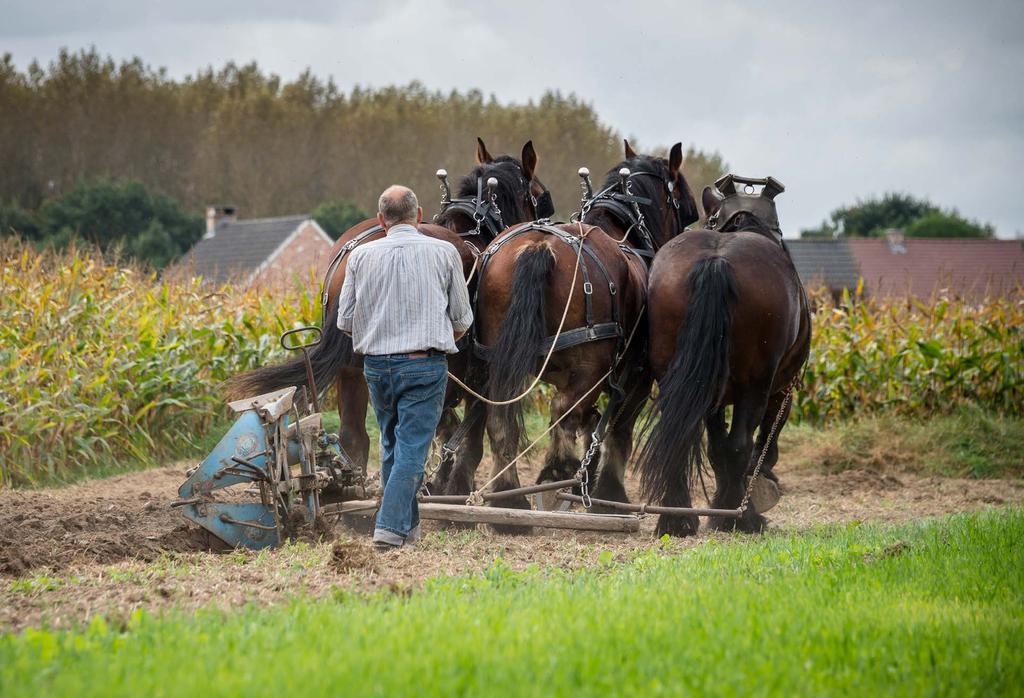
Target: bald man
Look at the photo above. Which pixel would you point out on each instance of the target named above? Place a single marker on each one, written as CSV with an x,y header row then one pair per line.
x,y
404,302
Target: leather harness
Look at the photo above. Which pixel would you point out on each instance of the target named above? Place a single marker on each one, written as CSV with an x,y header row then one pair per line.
x,y
483,212
624,206
336,262
592,331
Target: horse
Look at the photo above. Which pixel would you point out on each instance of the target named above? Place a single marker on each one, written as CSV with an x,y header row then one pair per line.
x,y
730,324
528,281
469,222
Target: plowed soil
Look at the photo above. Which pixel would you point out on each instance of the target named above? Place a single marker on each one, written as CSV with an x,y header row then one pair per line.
x,y
112,546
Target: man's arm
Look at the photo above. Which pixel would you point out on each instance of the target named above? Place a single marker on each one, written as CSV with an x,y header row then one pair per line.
x,y
347,299
460,312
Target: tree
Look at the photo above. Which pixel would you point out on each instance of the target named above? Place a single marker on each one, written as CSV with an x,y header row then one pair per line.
x,y
872,217
335,217
947,225
154,245
14,220
267,145
108,213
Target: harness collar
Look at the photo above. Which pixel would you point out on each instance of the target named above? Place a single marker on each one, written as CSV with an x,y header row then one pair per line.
x,y
733,201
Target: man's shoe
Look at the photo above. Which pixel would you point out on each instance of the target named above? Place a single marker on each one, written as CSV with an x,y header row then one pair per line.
x,y
384,540
382,547
414,535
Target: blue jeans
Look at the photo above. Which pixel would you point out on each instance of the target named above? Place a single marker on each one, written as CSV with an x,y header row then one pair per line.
x,y
407,396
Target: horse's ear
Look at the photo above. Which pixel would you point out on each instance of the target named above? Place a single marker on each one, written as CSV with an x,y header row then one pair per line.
x,y
529,161
712,200
675,158
630,153
482,156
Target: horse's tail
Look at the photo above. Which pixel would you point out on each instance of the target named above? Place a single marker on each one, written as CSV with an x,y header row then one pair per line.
x,y
327,358
513,357
695,380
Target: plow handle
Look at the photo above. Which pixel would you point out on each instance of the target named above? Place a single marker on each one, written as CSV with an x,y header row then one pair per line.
x,y
314,399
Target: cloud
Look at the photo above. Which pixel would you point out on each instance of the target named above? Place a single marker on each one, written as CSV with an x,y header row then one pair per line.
x,y
839,101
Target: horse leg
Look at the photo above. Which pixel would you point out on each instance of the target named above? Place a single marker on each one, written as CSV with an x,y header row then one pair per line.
x,y
772,455
747,413
467,460
353,399
445,428
718,438
562,461
619,445
505,445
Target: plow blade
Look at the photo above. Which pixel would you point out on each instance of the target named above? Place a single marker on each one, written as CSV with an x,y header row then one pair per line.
x,y
248,524
245,441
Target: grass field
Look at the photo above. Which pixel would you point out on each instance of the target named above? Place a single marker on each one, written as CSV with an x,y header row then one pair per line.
x,y
927,608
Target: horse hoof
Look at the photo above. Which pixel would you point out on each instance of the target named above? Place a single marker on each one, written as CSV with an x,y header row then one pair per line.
x,y
677,526
752,522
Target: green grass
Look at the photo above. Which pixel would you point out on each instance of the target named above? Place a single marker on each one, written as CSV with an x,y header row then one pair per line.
x,y
921,609
967,443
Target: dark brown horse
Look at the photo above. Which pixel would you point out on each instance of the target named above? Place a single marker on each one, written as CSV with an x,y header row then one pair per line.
x,y
515,198
527,284
729,325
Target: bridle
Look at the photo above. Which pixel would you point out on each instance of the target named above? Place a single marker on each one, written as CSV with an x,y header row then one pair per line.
x,y
483,209
618,198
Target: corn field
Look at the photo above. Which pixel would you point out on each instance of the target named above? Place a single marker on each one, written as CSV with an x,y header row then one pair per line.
x,y
102,364
914,357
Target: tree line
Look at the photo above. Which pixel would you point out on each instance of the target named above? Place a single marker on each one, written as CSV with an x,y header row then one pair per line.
x,y
913,217
238,135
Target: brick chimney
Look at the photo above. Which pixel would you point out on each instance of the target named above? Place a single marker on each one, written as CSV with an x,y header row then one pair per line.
x,y
215,215
894,237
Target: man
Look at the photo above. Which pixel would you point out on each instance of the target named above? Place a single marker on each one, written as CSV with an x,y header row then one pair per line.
x,y
404,302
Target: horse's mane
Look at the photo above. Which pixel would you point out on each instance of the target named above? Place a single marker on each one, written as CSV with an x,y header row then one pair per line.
x,y
511,190
745,220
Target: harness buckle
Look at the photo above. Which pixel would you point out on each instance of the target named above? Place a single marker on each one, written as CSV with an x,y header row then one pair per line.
x,y
612,288
588,288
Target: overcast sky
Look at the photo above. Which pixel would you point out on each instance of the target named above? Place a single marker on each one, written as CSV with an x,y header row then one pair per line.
x,y
838,100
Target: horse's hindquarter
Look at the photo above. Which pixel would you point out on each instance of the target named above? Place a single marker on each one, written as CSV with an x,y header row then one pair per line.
x,y
429,229
467,251
495,294
766,311
667,292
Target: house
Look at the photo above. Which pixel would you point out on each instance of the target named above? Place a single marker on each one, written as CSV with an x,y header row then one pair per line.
x,y
825,263
264,252
897,266
968,268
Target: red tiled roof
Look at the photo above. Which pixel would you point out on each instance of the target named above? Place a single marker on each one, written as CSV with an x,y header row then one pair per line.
x,y
964,267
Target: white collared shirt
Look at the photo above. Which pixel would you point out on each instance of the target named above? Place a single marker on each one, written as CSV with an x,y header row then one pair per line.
x,y
404,293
